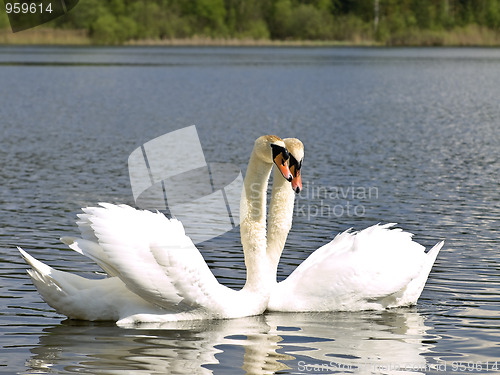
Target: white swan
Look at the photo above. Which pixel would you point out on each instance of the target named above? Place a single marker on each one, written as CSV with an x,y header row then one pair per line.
x,y
375,268
156,272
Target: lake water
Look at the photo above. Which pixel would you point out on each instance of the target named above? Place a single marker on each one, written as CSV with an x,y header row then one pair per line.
x,y
410,136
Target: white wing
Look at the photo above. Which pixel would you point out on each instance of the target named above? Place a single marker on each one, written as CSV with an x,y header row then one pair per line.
x,y
150,253
369,269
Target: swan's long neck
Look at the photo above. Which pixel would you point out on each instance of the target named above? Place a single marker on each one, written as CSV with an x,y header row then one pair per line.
x,y
280,220
253,224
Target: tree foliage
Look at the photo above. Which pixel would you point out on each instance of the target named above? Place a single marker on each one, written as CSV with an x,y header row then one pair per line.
x,y
117,21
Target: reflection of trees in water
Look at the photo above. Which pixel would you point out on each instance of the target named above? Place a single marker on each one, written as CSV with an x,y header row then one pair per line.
x,y
269,343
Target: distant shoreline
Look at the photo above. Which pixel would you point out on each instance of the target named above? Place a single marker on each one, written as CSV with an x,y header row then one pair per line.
x,y
45,36
48,36
470,36
208,42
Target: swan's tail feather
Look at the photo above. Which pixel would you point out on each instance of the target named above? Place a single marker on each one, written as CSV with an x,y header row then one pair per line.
x,y
81,298
432,254
40,273
61,290
55,287
416,286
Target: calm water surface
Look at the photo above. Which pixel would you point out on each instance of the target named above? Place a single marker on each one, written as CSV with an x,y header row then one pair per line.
x,y
410,136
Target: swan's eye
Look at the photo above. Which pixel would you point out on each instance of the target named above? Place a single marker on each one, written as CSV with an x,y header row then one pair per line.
x,y
286,155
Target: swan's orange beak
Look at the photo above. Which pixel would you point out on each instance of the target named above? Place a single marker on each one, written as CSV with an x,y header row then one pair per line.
x,y
296,179
280,161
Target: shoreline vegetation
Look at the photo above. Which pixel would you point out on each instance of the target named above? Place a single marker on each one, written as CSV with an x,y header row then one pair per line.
x,y
315,23
470,36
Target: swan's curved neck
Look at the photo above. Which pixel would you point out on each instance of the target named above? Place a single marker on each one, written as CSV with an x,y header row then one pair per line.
x,y
280,220
253,224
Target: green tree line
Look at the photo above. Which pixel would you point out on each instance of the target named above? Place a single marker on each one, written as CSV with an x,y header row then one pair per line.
x,y
353,21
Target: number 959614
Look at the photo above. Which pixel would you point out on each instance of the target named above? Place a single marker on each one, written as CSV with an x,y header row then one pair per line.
x,y
25,8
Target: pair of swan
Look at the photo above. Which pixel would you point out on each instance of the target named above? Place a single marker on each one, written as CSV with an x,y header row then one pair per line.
x,y
155,273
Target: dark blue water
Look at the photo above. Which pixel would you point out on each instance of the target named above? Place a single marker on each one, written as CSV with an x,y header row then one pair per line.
x,y
391,135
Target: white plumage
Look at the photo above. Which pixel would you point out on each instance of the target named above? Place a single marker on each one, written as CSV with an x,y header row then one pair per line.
x,y
375,268
156,274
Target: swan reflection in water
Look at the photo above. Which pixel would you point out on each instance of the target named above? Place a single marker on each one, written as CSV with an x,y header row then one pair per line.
x,y
360,342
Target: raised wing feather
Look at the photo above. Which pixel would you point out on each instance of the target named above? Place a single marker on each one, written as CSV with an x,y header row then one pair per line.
x,y
352,271
152,255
